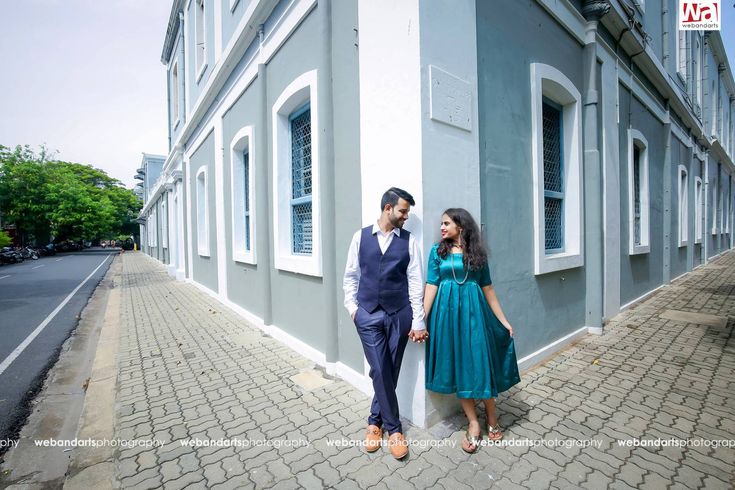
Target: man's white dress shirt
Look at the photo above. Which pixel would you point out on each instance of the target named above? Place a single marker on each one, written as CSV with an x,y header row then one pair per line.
x,y
415,273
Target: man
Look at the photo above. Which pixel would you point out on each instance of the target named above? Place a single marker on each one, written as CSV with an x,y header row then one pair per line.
x,y
383,287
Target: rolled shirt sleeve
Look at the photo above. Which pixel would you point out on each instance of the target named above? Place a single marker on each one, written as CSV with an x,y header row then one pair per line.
x,y
416,284
352,274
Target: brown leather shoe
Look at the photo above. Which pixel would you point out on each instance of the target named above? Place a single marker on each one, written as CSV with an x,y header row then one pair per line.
x,y
373,438
398,445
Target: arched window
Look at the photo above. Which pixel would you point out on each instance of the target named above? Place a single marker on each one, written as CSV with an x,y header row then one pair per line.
x,y
242,178
556,116
638,196
202,207
683,206
296,198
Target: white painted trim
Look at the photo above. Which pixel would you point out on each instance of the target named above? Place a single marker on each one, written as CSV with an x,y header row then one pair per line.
x,y
201,72
549,350
203,66
303,89
243,139
547,81
567,16
217,30
294,14
698,210
360,381
683,195
188,217
640,298
219,207
645,246
202,200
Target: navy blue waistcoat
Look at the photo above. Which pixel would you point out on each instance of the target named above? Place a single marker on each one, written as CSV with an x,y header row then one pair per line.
x,y
383,277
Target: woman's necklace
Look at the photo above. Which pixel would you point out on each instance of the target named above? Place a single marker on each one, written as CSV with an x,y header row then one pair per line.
x,y
466,274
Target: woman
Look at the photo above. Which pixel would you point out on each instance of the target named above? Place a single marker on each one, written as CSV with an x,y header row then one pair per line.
x,y
470,351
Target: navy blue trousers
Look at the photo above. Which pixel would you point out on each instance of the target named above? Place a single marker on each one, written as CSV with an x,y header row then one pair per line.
x,y
384,338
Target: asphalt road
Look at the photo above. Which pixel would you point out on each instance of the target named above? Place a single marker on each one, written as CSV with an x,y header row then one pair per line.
x,y
38,312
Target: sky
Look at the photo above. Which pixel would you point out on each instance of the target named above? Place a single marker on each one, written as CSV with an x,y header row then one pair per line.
x,y
84,78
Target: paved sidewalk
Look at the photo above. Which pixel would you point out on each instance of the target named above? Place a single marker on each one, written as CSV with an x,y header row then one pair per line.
x,y
189,368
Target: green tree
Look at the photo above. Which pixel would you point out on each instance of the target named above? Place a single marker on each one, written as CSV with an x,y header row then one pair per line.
x,y
5,239
68,200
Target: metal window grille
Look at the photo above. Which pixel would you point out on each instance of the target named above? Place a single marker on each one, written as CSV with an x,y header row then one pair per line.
x,y
301,190
246,196
637,195
553,177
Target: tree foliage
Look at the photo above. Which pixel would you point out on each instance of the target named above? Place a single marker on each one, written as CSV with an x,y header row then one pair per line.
x,y
68,201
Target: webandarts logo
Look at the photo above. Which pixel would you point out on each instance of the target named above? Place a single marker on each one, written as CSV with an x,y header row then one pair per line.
x,y
699,15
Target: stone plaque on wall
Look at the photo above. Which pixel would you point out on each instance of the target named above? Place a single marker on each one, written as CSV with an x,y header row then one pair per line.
x,y
451,99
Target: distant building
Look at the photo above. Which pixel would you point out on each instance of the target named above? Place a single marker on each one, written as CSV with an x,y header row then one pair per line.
x,y
592,139
150,223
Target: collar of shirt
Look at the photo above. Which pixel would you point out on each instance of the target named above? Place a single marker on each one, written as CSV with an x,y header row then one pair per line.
x,y
395,231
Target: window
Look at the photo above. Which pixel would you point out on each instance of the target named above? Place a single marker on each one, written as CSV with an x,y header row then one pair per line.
x,y
301,222
175,94
698,196
243,200
164,222
202,207
553,177
697,73
683,206
296,178
726,206
715,203
200,38
638,197
557,156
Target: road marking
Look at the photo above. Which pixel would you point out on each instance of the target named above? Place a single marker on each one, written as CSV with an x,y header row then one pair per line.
x,y
58,260
18,350
4,277
37,266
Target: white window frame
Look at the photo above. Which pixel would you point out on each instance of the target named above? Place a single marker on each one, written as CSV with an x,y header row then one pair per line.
x,y
698,196
715,198
201,185
164,221
697,71
726,206
682,64
683,174
302,90
200,34
636,139
548,82
242,141
176,116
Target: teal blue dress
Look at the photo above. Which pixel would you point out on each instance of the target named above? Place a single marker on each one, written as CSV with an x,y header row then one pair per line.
x,y
469,352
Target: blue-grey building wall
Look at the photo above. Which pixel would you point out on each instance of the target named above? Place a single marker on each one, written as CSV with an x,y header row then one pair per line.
x,y
194,87
204,269
550,305
231,18
347,198
245,282
680,156
303,318
641,273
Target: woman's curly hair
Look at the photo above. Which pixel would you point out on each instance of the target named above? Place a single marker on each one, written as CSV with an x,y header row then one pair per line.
x,y
474,254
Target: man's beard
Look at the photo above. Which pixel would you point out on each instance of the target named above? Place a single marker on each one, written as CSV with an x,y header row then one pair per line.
x,y
396,222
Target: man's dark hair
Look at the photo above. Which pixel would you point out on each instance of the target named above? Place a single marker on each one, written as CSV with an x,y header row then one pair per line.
x,y
392,196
